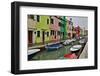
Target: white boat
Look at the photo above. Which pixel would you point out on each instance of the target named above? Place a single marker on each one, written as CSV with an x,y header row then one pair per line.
x,y
67,42
82,41
75,47
32,51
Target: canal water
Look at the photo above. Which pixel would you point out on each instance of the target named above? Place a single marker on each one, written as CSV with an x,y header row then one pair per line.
x,y
53,54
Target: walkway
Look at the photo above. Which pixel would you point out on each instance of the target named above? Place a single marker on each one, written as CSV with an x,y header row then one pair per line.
x,y
84,54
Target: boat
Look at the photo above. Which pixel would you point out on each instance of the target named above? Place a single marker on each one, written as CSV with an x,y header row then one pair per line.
x,y
69,41
53,47
82,41
75,48
70,56
32,51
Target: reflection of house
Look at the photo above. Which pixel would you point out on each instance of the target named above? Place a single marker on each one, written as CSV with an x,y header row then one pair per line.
x,y
54,29
31,29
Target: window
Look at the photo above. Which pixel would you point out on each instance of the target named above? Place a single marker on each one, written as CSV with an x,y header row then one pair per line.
x,y
63,33
51,21
38,33
47,21
58,32
35,17
31,16
38,18
34,32
70,22
53,32
47,34
59,24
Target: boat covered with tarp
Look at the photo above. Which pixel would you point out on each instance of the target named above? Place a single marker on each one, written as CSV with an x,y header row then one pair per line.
x,y
53,46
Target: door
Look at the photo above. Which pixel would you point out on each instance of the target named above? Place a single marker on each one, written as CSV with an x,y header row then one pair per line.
x,y
55,35
43,36
30,33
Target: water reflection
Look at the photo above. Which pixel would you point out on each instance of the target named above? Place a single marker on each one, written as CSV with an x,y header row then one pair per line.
x,y
52,55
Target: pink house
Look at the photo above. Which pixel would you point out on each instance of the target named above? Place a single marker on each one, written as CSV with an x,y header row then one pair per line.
x,y
55,29
77,29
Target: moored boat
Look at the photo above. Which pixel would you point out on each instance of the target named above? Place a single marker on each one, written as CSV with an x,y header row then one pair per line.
x,y
53,47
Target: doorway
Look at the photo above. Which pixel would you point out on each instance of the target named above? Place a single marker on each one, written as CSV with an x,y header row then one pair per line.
x,y
30,33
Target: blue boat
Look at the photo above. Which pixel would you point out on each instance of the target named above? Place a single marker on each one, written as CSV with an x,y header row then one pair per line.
x,y
53,47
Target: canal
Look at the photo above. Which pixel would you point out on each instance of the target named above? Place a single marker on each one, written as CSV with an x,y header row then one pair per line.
x,y
53,54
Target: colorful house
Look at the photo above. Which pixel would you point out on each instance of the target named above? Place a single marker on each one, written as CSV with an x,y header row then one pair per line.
x,y
83,31
73,32
63,27
42,29
31,29
69,27
77,29
54,29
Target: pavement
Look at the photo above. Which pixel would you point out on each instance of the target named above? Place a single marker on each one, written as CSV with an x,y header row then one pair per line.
x,y
43,45
84,53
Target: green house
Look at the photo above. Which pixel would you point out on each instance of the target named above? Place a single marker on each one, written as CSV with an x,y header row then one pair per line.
x,y
42,29
63,30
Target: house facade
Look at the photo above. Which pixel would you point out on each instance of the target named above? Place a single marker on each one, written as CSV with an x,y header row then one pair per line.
x,y
69,28
83,31
31,29
63,25
42,29
54,29
77,29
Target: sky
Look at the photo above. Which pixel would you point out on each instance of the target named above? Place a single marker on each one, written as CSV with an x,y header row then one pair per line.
x,y
79,21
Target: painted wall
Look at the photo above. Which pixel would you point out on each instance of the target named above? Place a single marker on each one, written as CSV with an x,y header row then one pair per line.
x,y
63,27
55,27
69,28
77,31
31,27
42,26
